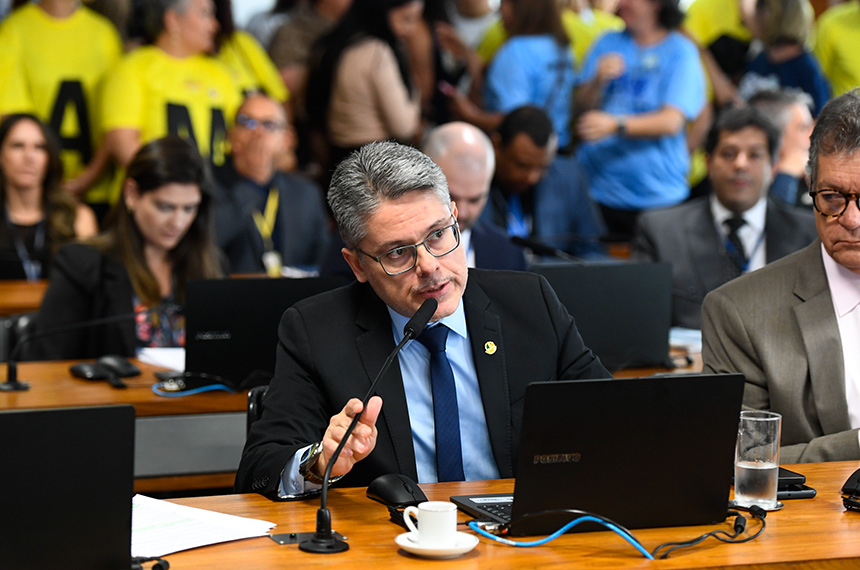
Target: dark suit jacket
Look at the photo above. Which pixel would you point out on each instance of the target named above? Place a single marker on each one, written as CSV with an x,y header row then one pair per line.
x,y
301,228
332,346
777,326
85,284
493,250
686,237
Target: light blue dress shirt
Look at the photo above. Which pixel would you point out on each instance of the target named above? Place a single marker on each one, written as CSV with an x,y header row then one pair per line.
x,y
478,460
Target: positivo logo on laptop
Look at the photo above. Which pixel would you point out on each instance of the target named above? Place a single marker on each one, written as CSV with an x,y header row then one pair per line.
x,y
213,335
557,458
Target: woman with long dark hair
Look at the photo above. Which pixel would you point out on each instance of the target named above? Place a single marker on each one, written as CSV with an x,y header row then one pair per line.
x,y
158,237
38,215
361,88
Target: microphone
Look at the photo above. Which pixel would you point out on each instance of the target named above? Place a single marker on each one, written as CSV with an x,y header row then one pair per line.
x,y
12,383
540,248
323,540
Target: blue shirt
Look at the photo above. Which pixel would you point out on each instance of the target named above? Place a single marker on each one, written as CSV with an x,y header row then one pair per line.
x,y
802,72
643,173
478,460
533,70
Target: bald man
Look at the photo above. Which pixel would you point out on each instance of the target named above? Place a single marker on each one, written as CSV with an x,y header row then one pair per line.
x,y
467,159
266,219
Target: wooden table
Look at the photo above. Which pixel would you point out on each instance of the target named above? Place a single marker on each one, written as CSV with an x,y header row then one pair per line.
x,y
20,296
190,442
812,533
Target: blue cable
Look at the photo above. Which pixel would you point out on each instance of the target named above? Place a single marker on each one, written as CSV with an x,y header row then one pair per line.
x,y
626,536
156,388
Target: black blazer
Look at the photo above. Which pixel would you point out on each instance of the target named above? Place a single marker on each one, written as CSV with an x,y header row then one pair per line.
x,y
332,345
85,284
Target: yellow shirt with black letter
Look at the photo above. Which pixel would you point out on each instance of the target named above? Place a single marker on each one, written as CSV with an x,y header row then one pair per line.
x,y
251,66
53,68
157,95
837,30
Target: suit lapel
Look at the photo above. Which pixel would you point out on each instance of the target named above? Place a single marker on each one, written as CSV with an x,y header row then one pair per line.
x,y
374,345
816,320
707,253
489,354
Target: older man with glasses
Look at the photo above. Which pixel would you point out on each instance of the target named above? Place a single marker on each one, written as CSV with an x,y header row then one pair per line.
x,y
793,328
266,218
492,334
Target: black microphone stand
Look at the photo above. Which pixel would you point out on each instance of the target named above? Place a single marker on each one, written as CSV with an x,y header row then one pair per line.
x,y
323,540
12,384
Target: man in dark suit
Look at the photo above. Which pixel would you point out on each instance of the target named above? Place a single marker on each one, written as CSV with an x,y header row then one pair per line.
x,y
465,155
505,330
266,218
698,238
793,328
539,195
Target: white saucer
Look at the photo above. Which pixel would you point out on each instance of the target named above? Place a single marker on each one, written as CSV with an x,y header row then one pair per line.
x,y
463,544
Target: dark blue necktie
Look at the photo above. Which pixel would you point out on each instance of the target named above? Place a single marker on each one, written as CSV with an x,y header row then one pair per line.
x,y
449,454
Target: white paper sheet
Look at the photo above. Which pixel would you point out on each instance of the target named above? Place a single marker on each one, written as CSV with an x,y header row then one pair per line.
x,y
172,358
159,527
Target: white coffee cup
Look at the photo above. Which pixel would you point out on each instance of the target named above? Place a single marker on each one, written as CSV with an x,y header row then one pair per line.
x,y
437,523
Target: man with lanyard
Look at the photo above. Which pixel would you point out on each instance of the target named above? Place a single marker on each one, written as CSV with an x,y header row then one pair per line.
x,y
265,218
735,230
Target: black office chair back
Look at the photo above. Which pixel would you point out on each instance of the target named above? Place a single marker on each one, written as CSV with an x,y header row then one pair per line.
x,y
255,404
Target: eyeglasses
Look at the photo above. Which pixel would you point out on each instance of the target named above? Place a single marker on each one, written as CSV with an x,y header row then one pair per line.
x,y
404,257
247,122
832,203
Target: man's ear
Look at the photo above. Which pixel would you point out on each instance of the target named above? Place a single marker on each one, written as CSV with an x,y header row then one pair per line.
x,y
352,258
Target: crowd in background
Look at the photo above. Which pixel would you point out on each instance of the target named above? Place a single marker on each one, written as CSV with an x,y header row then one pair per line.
x,y
631,88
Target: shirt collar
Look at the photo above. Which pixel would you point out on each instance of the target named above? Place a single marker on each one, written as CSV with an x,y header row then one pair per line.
x,y
844,285
754,217
456,321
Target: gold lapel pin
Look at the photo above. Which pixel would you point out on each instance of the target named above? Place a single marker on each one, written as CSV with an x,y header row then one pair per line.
x,y
490,347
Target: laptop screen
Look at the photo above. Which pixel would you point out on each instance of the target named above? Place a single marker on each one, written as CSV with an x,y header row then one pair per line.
x,y
66,485
622,310
232,324
645,452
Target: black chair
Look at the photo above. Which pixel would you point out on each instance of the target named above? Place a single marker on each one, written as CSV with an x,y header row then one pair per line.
x,y
255,404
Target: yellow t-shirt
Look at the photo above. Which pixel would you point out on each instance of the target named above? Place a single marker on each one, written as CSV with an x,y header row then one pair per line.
x,y
251,66
836,46
580,32
708,20
54,68
156,94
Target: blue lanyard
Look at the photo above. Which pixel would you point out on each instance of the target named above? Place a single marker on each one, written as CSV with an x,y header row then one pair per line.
x,y
737,255
32,267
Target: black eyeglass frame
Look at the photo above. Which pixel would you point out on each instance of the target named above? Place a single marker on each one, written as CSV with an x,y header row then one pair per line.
x,y
414,247
847,195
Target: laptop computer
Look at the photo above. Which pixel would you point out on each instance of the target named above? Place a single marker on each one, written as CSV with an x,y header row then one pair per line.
x,y
66,484
622,310
644,452
231,325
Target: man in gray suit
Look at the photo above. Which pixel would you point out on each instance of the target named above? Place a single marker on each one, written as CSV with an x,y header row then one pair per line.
x,y
793,328
735,230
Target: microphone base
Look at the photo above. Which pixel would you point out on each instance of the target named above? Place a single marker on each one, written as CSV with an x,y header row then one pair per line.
x,y
14,386
323,545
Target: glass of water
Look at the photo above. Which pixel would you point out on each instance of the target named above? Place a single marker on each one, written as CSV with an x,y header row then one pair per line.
x,y
757,459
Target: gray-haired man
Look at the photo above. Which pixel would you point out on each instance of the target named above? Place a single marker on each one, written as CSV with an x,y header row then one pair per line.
x,y
506,329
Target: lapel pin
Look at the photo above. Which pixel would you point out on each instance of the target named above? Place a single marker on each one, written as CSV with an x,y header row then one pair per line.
x,y
490,347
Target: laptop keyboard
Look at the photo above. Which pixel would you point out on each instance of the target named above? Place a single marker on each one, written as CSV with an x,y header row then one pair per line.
x,y
501,511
